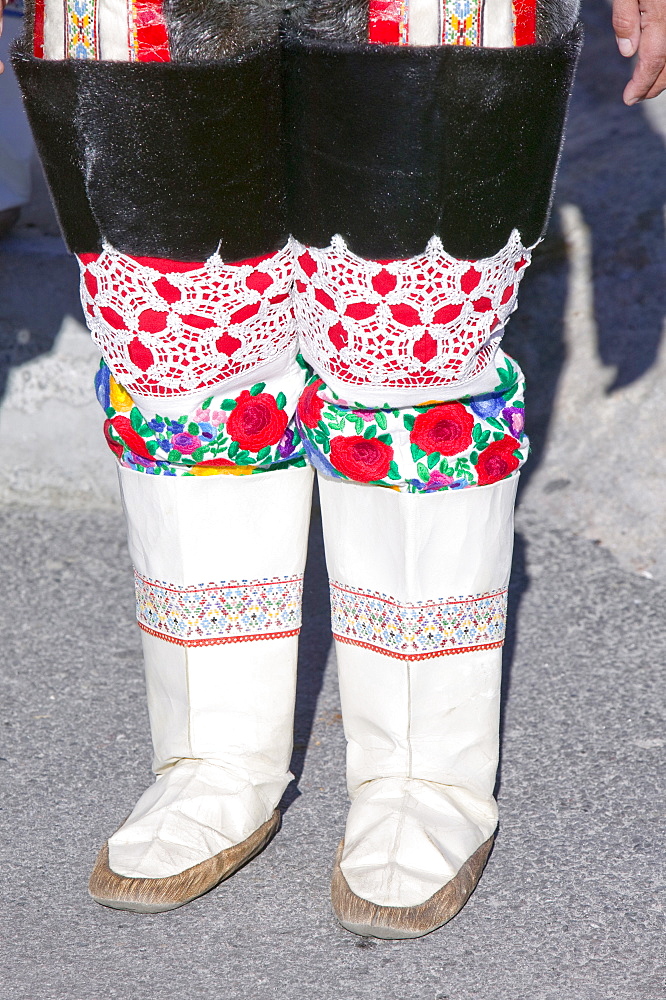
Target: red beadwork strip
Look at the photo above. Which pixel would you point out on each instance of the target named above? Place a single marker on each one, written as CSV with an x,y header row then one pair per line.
x,y
149,41
524,21
38,31
217,642
416,656
388,22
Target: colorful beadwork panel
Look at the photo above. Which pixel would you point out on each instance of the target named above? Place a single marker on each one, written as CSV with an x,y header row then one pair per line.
x,y
210,613
457,22
417,631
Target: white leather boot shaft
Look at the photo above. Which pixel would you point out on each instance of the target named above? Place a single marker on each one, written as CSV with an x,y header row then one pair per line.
x,y
418,587
219,562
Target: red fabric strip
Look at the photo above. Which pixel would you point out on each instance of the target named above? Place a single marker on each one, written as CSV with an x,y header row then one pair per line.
x,y
151,38
38,35
524,19
385,19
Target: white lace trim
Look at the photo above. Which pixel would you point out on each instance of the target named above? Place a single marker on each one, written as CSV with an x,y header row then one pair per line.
x,y
180,328
427,321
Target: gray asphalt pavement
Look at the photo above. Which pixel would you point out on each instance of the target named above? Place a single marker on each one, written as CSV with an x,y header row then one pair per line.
x,y
572,903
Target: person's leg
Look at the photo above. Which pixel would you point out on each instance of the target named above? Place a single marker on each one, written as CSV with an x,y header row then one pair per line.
x,y
422,179
168,179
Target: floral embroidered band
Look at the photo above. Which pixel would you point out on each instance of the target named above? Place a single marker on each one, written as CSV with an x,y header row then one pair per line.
x,y
210,613
417,631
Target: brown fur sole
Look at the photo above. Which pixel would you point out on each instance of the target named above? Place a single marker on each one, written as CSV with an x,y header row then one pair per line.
x,y
399,922
155,895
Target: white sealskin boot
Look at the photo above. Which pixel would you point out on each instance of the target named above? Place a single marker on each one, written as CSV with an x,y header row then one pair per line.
x,y
418,595
219,566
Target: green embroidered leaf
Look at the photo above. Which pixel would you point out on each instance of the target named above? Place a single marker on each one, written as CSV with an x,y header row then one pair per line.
x,y
382,422
433,459
206,403
462,465
497,436
326,445
483,439
518,453
494,422
370,431
228,404
110,412
446,469
416,452
302,363
508,393
333,423
385,439
358,425
174,456
256,389
183,420
136,420
393,472
474,457
281,401
199,454
323,428
477,432
193,429
234,448
351,417
422,471
242,458
408,420
263,454
152,447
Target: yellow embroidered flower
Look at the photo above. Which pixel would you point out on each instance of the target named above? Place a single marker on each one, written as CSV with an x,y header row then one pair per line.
x,y
215,470
119,397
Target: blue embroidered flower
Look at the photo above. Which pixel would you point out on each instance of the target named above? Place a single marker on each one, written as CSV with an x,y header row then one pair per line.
x,y
487,405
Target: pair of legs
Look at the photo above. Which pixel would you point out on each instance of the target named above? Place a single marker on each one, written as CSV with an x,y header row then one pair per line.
x,y
297,251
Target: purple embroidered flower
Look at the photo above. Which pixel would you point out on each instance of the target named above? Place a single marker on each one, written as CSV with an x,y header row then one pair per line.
x,y
487,405
139,460
286,445
515,418
437,481
185,443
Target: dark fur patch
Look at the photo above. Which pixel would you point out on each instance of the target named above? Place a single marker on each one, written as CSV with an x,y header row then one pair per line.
x,y
555,18
208,30
389,145
161,159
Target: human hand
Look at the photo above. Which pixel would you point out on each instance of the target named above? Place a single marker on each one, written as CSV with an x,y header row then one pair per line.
x,y
640,27
2,9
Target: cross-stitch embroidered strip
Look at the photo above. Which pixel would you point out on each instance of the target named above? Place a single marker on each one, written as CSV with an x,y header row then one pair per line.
x,y
81,31
417,631
209,613
462,22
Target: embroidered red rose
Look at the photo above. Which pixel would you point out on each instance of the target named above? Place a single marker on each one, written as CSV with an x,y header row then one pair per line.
x,y
497,461
310,405
255,421
362,459
446,429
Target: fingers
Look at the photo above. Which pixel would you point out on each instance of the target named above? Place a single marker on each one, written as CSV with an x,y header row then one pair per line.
x,y
627,25
640,26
